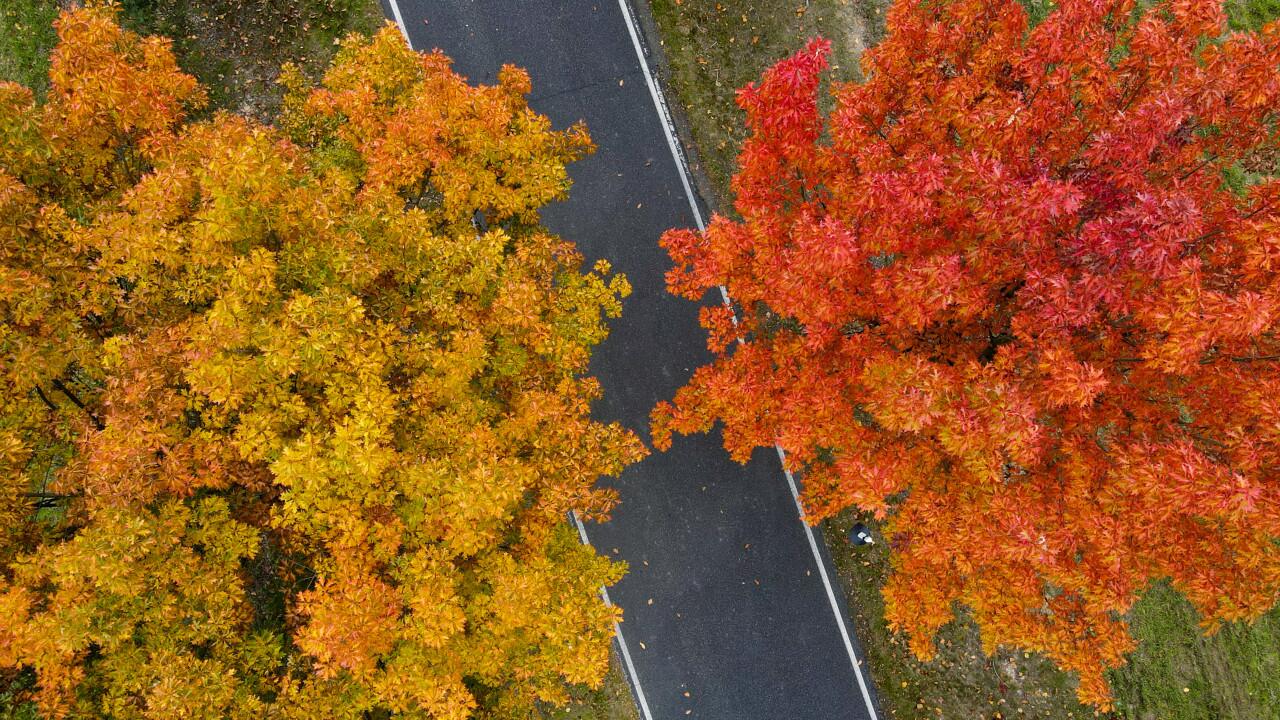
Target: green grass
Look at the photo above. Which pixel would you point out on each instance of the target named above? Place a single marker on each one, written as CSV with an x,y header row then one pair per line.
x,y
612,701
714,48
1179,673
1176,673
26,36
234,47
1251,14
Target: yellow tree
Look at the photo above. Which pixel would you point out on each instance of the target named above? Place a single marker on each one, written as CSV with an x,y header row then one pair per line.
x,y
306,404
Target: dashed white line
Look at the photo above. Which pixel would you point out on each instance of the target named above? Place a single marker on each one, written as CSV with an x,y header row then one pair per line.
x,y
668,127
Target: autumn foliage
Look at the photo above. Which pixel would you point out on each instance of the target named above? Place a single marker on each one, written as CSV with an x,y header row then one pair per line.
x,y
292,417
1018,295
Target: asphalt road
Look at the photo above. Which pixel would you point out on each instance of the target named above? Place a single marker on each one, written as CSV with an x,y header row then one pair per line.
x,y
726,613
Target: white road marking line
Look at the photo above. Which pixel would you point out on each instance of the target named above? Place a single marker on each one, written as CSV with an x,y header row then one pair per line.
x,y
617,632
668,127
826,582
660,102
395,10
582,531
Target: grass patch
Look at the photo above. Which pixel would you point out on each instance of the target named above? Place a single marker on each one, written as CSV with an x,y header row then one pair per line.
x,y
1176,673
234,47
1179,673
26,36
714,48
960,682
612,701
1251,14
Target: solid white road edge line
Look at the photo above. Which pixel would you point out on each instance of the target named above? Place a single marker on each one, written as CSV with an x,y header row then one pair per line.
x,y
395,10
668,127
660,102
581,529
617,632
826,582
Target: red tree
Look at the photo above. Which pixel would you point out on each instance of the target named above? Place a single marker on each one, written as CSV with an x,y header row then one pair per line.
x,y
1017,294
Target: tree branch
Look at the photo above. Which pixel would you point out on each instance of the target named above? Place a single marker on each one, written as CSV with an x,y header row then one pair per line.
x,y
46,500
62,388
45,398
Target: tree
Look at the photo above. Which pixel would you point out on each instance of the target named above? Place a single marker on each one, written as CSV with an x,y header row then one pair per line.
x,y
285,432
1017,295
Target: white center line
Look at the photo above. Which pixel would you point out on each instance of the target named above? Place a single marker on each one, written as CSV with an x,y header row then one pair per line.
x,y
682,165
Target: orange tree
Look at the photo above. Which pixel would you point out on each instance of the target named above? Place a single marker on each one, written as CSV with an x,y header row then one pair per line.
x,y
282,431
1017,295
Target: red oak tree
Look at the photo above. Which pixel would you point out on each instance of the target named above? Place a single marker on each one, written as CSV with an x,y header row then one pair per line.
x,y
1016,294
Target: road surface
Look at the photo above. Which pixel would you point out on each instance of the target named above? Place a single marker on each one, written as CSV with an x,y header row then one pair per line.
x,y
728,614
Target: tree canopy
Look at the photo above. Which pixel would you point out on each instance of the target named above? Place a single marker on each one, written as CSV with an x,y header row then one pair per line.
x,y
293,416
1017,295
